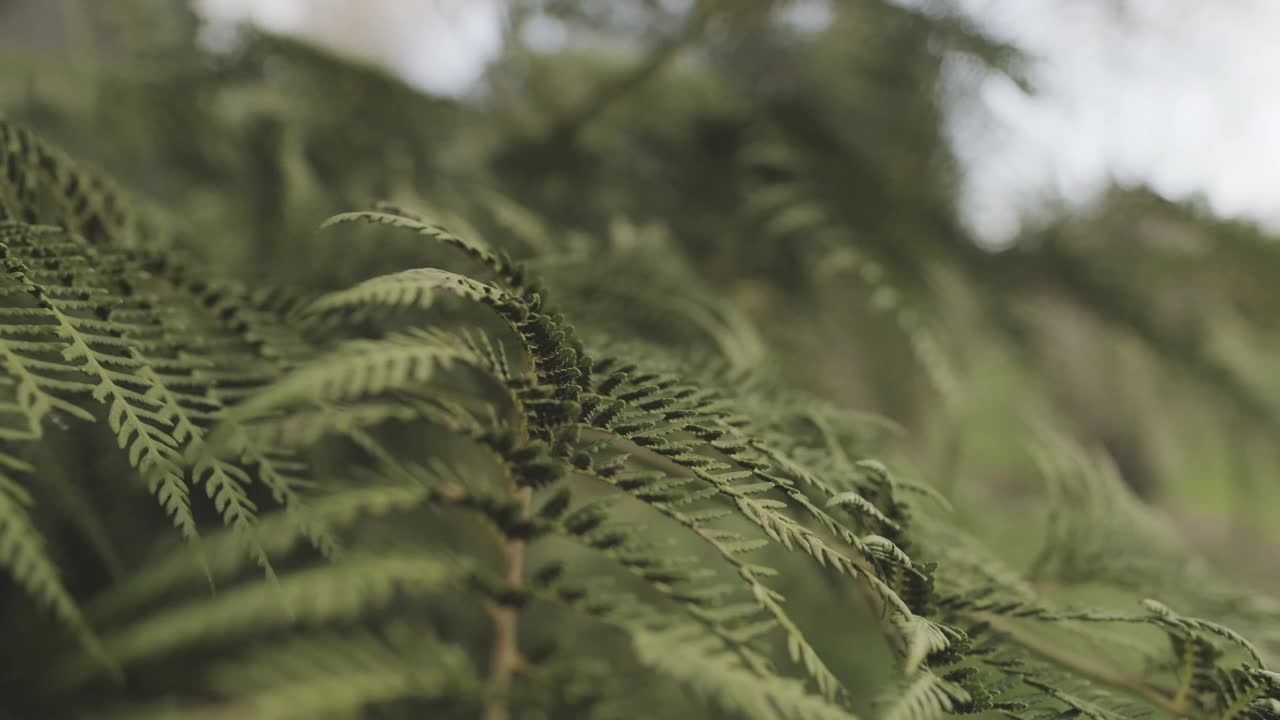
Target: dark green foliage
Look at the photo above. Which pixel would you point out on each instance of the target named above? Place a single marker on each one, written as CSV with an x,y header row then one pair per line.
x,y
494,457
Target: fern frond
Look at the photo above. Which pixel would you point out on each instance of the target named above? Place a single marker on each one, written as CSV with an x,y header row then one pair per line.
x,y
1081,706
928,697
94,348
512,276
1165,616
407,288
1247,693
332,674
296,680
438,505
277,534
37,174
23,555
328,593
731,548
682,652
358,369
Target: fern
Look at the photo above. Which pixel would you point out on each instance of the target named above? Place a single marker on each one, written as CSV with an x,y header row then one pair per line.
x,y
414,478
24,555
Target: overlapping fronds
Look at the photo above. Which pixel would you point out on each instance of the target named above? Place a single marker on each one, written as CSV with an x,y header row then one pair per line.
x,y
428,483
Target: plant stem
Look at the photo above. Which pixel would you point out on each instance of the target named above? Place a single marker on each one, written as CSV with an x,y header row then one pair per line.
x,y
505,658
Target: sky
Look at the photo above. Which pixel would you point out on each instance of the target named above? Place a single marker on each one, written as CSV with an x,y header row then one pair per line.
x,y
1175,94
441,46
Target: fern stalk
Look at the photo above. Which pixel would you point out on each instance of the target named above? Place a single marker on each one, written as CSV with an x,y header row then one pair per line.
x,y
505,658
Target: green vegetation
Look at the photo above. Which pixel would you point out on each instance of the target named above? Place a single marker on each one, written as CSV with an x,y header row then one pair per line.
x,y
657,386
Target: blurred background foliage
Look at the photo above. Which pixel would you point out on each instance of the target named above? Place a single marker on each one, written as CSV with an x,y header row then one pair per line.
x,y
785,191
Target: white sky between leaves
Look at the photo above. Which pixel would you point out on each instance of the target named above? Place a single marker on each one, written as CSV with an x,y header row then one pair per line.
x,y
1176,94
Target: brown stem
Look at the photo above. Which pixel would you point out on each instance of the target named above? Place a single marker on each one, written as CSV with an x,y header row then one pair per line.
x,y
506,660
